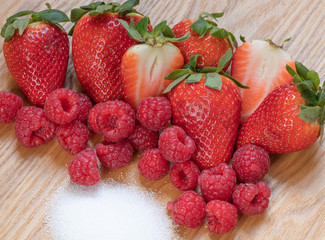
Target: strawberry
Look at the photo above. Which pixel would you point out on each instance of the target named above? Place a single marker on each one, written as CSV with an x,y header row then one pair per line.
x,y
260,65
290,117
206,39
145,65
207,106
36,51
98,44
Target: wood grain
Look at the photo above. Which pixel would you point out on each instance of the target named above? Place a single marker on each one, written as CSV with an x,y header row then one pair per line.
x,y
297,205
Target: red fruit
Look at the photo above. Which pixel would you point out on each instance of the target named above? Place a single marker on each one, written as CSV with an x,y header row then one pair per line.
x,y
37,54
83,168
154,113
73,136
250,163
114,155
92,118
116,120
184,175
152,165
222,216
251,199
9,106
33,128
84,107
188,209
143,139
260,65
98,45
218,183
211,48
62,106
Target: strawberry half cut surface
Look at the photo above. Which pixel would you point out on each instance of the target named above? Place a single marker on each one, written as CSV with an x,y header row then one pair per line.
x,y
206,104
260,65
145,65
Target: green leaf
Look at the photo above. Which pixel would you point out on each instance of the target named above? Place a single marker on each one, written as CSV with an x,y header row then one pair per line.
x,y
200,26
180,39
194,78
21,25
297,79
77,13
132,31
142,26
19,14
168,32
225,59
51,15
301,70
307,93
209,70
235,81
48,5
159,28
313,76
10,31
127,7
104,8
213,80
3,29
70,33
215,16
175,83
310,114
178,73
193,60
242,38
290,70
92,6
219,32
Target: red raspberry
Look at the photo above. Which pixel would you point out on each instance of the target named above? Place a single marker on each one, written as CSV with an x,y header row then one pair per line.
x,y
62,106
116,120
143,139
222,216
114,155
9,105
154,113
33,128
251,199
218,183
73,136
92,118
152,165
184,175
175,145
250,163
83,168
188,209
84,107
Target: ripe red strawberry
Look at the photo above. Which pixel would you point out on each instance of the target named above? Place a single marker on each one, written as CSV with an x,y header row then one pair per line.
x,y
207,106
98,44
260,65
206,39
290,117
145,65
36,51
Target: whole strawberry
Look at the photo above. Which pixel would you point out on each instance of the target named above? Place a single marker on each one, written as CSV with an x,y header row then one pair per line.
x,y
290,117
36,51
206,39
98,44
207,106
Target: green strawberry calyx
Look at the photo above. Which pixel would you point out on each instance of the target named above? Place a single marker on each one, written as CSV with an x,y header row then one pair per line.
x,y
307,82
191,74
160,35
96,8
15,22
203,26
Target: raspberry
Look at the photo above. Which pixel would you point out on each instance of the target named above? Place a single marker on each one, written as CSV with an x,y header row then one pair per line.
x,y
222,216
154,113
73,136
143,139
152,165
188,209
9,105
84,107
175,145
250,163
116,120
83,168
62,106
92,117
218,183
114,155
33,128
184,175
251,199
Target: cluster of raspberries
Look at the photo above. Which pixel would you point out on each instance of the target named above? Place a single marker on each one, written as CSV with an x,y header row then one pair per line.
x,y
69,116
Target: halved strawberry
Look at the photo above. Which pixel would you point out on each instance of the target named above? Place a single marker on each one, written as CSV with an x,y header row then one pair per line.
x,y
260,65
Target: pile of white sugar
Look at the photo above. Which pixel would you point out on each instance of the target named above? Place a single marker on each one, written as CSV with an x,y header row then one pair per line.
x,y
107,211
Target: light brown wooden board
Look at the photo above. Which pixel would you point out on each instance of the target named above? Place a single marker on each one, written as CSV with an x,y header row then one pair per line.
x,y
297,204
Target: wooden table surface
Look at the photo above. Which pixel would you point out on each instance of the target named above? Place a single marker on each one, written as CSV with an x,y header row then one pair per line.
x,y
297,204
